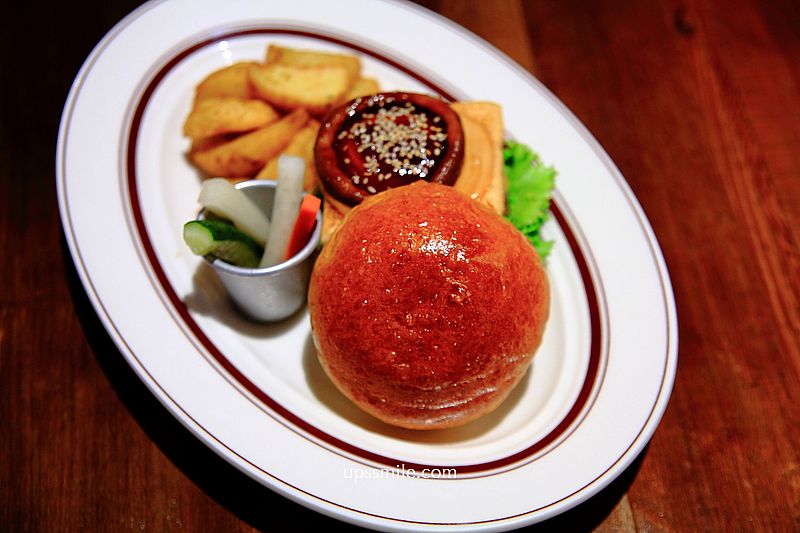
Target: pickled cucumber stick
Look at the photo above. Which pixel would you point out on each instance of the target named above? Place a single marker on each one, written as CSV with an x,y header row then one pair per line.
x,y
223,241
226,201
288,195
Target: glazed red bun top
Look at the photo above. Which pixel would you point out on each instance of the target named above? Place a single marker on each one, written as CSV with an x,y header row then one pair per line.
x,y
423,290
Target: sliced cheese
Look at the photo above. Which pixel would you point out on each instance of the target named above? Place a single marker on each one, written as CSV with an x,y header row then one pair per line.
x,y
482,176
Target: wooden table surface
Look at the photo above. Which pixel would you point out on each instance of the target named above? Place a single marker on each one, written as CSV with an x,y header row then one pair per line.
x,y
698,103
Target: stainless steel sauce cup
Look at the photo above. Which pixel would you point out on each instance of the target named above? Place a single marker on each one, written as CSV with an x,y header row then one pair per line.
x,y
273,293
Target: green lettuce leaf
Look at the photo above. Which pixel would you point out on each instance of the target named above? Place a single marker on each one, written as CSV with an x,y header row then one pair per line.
x,y
530,185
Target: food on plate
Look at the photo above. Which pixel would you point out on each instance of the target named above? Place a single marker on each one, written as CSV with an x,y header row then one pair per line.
x,y
285,207
222,240
281,55
482,176
363,87
426,307
244,156
301,145
304,225
530,185
430,297
220,115
237,126
388,140
232,81
392,139
292,78
289,87
236,230
224,200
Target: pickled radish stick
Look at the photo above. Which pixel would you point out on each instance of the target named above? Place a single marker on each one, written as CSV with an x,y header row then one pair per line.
x,y
288,195
226,201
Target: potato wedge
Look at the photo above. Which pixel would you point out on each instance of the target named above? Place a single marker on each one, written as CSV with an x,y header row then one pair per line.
x,y
229,81
362,87
245,155
302,145
201,145
217,115
290,87
307,58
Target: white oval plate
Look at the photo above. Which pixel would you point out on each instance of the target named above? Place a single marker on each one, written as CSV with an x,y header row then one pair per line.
x,y
256,394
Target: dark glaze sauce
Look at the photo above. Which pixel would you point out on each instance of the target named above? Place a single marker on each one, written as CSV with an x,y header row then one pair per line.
x,y
385,141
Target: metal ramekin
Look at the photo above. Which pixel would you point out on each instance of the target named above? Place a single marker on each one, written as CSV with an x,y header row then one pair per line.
x,y
273,293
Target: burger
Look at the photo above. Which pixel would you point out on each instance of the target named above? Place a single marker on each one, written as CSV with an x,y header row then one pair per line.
x,y
426,305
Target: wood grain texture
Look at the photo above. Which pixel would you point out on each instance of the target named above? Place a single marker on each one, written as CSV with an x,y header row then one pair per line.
x,y
684,98
698,103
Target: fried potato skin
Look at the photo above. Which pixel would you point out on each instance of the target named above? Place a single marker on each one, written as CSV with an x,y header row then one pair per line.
x,y
217,115
247,154
302,145
233,81
362,87
312,59
289,87
245,115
